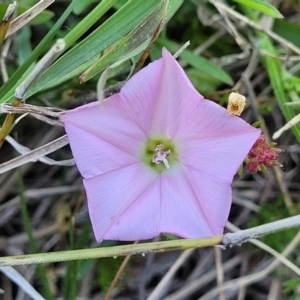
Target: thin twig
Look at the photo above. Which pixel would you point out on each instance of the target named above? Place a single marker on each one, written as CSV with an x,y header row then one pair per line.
x,y
18,279
44,159
161,289
34,154
4,53
220,272
267,248
28,108
255,277
242,236
287,126
40,67
27,16
197,284
247,21
117,276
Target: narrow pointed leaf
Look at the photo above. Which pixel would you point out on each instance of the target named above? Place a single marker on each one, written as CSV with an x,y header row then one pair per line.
x,y
127,44
7,90
198,62
130,15
262,6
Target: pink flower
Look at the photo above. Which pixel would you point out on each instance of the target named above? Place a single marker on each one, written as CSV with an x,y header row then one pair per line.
x,y
158,157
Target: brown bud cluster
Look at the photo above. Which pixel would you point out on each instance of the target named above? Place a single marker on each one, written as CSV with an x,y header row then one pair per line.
x,y
262,156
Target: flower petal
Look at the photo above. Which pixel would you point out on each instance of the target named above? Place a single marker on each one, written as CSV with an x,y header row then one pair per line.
x,y
94,156
103,138
210,119
219,153
192,204
161,96
112,195
140,221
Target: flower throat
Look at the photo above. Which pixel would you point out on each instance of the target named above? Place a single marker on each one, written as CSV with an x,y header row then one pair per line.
x,y
160,154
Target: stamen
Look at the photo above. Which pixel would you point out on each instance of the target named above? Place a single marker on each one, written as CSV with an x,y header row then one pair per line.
x,y
161,156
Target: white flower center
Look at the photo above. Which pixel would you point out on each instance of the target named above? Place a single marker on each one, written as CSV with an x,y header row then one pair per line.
x,y
161,156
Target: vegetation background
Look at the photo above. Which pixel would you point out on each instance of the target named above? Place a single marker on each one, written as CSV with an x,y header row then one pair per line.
x,y
252,47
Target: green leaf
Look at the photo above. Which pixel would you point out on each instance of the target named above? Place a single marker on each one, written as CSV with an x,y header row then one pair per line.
x,y
3,8
120,54
276,74
262,6
116,27
288,30
7,90
82,5
203,83
23,48
198,62
127,44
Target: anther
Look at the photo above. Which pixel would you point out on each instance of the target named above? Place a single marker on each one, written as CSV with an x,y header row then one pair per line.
x,y
161,156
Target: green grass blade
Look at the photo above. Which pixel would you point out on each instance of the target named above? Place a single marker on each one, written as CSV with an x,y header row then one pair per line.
x,y
288,30
28,229
262,6
127,44
7,90
116,27
198,62
276,74
171,9
88,21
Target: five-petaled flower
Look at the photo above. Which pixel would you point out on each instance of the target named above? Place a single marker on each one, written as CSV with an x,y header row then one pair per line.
x,y
157,157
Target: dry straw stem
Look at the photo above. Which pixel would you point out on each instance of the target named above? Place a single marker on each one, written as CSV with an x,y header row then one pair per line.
x,y
34,154
220,271
161,288
41,193
255,277
44,159
247,21
28,108
287,126
4,52
27,16
18,279
9,12
40,67
191,287
242,236
266,248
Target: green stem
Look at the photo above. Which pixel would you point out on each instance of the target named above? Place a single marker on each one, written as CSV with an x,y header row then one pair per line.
x,y
32,245
114,251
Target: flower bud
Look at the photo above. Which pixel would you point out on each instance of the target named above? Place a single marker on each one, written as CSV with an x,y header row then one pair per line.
x,y
236,104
